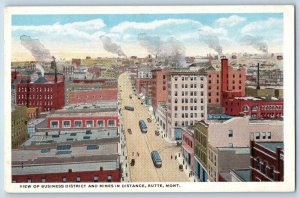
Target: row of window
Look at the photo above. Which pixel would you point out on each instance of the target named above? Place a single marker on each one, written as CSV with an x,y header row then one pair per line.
x,y
24,96
263,166
49,103
185,123
189,78
186,115
186,100
78,124
186,93
263,135
188,141
33,89
191,86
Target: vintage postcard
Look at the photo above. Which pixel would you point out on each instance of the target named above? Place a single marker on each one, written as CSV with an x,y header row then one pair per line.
x,y
150,99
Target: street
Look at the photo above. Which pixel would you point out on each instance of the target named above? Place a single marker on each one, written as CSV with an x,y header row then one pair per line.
x,y
140,145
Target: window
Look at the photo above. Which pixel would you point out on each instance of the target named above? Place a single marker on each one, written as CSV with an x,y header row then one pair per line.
x,y
176,100
100,123
264,170
263,134
175,108
96,178
176,93
245,108
272,174
269,135
201,85
230,145
89,123
258,163
29,180
77,179
44,180
78,124
257,135
67,124
64,179
111,123
54,124
230,133
109,178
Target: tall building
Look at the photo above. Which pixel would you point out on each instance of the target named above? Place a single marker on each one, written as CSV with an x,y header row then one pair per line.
x,y
267,161
225,83
159,87
187,101
19,119
232,133
41,93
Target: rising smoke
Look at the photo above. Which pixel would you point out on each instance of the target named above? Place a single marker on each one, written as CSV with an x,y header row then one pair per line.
x,y
256,42
171,50
211,39
36,48
111,47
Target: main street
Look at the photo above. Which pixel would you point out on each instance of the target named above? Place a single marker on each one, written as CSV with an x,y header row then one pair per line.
x,y
140,145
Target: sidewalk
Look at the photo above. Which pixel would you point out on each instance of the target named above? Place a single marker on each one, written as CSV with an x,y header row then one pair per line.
x,y
186,168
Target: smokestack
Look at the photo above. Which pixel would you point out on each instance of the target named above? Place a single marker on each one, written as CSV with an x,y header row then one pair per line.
x,y
53,66
258,86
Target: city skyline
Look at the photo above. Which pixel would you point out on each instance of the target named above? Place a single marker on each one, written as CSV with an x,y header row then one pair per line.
x,y
194,34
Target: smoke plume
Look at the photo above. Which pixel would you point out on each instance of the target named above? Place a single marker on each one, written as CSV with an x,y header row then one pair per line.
x,y
256,42
213,42
38,66
171,50
36,48
111,47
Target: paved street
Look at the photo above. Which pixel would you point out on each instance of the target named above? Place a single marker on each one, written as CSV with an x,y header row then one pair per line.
x,y
139,145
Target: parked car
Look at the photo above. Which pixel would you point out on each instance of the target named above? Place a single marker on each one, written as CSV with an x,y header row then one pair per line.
x,y
157,132
181,167
149,120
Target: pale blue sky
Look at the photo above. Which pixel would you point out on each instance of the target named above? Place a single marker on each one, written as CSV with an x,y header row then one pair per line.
x,y
63,34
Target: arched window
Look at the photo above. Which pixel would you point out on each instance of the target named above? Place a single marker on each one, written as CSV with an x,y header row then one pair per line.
x,y
245,108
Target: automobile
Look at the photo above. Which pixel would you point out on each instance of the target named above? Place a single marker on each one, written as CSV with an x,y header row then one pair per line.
x,y
129,108
139,97
142,103
132,163
180,167
156,132
149,120
130,96
129,131
143,126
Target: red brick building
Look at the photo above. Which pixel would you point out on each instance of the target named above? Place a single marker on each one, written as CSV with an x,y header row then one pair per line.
x,y
188,146
143,83
226,83
76,62
159,87
103,115
41,93
267,161
256,108
91,96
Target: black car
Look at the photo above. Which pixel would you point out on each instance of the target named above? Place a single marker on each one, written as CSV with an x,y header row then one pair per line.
x,y
129,131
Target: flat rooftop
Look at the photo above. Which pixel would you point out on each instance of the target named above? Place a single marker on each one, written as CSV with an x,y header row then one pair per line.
x,y
245,174
72,136
35,121
237,150
272,146
255,98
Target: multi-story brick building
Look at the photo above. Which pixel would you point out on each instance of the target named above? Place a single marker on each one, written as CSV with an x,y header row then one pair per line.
x,y
159,87
143,85
41,93
19,119
187,101
225,83
33,112
267,161
235,132
256,108
188,146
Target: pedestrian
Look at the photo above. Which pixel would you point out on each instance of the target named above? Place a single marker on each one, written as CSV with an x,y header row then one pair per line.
x,y
175,157
171,157
138,154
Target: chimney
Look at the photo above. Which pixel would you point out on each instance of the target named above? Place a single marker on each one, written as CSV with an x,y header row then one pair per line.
x,y
258,86
53,66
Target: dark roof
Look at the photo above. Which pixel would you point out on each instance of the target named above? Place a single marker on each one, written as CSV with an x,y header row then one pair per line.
x,y
272,146
41,80
244,174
